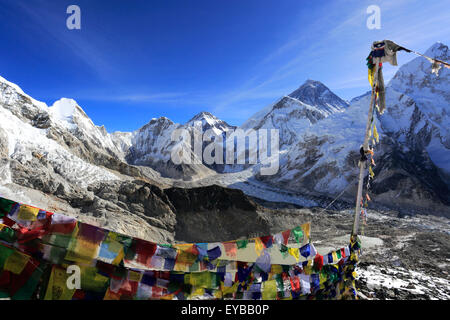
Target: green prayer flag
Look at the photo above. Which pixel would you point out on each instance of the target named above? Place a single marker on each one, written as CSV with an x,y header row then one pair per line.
x,y
280,284
7,234
298,233
284,250
5,206
26,291
241,244
5,252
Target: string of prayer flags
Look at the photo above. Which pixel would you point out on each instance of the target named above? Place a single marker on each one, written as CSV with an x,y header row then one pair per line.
x,y
40,246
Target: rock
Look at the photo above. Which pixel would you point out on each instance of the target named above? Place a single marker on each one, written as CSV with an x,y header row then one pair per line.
x,y
4,152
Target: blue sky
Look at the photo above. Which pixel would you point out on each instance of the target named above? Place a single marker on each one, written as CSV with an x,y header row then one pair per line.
x,y
135,60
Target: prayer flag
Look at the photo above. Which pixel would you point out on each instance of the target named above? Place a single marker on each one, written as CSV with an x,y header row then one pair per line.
x,y
269,291
295,253
298,233
305,251
27,213
5,206
259,246
57,285
241,244
286,235
230,249
16,262
306,227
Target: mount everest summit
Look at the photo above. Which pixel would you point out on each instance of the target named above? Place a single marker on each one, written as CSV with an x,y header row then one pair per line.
x,y
56,157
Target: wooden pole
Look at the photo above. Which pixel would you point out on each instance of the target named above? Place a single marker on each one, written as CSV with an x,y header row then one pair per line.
x,y
362,165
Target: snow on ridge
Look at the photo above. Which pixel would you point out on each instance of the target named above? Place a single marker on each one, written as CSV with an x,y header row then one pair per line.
x,y
63,111
23,139
39,104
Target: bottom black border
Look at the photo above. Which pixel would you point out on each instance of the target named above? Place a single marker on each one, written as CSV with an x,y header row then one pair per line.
x,y
223,309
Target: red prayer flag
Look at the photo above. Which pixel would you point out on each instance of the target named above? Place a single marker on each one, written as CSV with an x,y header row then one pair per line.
x,y
295,283
286,235
144,251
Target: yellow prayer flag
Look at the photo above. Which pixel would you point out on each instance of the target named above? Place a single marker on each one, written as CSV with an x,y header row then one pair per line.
x,y
16,262
82,250
198,292
118,258
295,253
259,246
269,291
276,269
308,269
375,133
199,279
217,294
186,253
306,228
27,213
134,276
322,277
57,286
335,257
371,76
372,174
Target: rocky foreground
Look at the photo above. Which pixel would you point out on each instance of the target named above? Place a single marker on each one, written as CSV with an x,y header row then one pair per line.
x,y
403,257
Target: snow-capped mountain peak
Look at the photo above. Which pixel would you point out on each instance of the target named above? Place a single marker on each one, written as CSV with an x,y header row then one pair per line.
x,y
315,93
209,121
296,112
438,51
